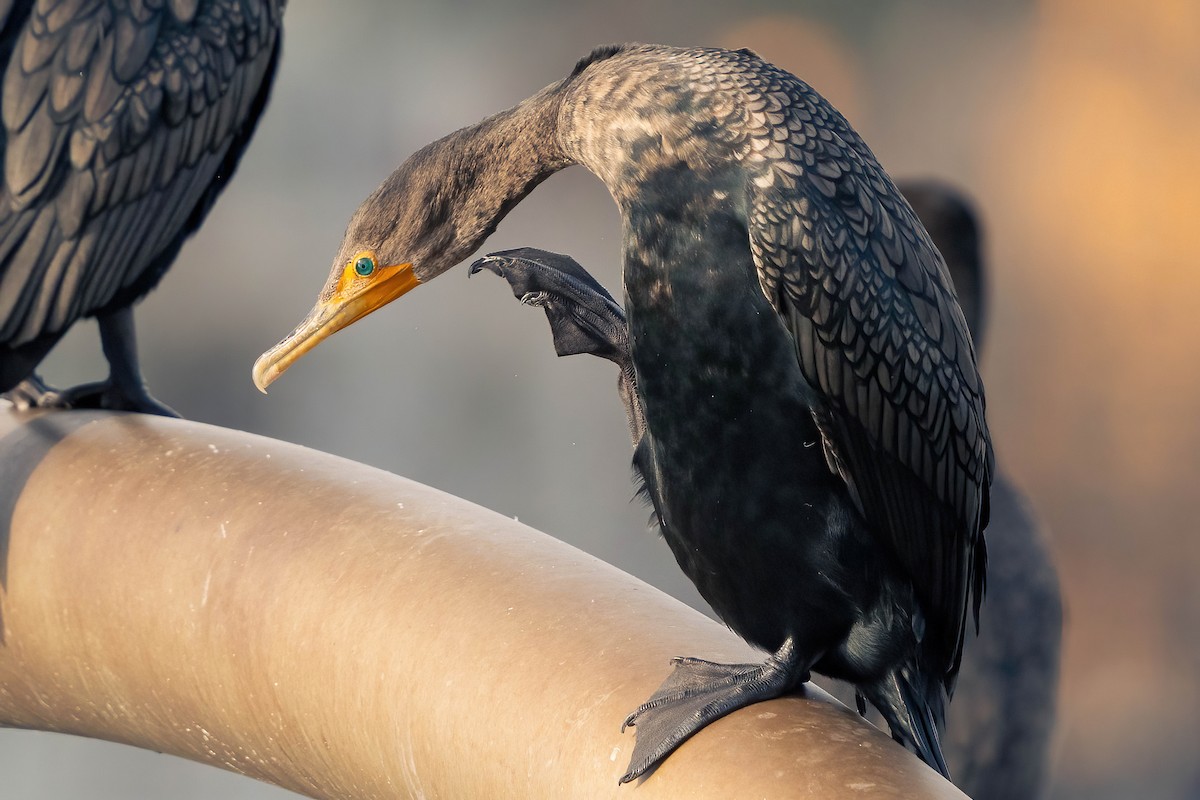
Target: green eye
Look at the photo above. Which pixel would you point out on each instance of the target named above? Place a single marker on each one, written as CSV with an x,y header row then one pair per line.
x,y
364,266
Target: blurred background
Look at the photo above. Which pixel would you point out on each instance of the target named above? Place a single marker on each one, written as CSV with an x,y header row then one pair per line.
x,y
1075,124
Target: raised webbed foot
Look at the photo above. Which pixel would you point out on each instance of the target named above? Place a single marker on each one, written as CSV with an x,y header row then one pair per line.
x,y
584,317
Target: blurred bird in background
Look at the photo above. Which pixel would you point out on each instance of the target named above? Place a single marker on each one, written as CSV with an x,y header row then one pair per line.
x,y
122,122
999,727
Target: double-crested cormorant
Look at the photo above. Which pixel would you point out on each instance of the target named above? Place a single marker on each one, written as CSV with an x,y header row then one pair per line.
x,y
1000,724
122,122
815,444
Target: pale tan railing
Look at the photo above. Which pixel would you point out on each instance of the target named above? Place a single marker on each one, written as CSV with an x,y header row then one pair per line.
x,y
346,633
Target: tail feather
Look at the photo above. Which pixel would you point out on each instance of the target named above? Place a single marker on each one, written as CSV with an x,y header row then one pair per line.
x,y
914,706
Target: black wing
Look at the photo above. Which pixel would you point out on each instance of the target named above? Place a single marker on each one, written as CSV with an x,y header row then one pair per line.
x,y
879,336
121,121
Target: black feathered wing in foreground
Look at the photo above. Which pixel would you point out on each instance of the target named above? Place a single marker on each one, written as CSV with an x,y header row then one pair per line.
x,y
121,124
882,341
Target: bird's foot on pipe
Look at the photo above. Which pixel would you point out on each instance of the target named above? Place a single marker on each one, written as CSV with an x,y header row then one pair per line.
x,y
116,396
698,692
34,393
124,390
583,316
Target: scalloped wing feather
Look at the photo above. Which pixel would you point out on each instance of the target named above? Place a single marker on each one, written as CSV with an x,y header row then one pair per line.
x,y
119,120
879,336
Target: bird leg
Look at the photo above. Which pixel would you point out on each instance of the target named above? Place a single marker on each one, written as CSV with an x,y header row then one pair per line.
x,y
583,316
123,391
698,692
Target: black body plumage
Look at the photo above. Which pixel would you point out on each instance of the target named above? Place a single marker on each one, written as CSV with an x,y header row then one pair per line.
x,y
122,121
814,439
816,450
995,750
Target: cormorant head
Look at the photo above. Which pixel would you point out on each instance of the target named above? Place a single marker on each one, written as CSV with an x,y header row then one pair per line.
x,y
420,222
430,214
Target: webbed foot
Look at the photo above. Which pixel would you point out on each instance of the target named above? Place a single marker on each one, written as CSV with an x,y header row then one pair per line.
x,y
34,393
113,396
698,692
109,395
584,317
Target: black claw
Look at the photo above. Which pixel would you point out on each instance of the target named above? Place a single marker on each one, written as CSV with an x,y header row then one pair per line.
x,y
583,316
698,692
111,397
529,269
33,393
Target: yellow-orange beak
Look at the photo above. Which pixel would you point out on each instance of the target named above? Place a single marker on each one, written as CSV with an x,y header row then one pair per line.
x,y
352,299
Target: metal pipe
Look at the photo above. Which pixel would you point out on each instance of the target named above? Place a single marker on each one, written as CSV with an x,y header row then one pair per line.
x,y
344,632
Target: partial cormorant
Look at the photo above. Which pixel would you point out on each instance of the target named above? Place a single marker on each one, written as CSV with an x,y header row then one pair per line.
x,y
999,730
122,122
1000,725
815,444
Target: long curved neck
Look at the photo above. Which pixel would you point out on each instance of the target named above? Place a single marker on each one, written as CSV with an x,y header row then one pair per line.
x,y
497,162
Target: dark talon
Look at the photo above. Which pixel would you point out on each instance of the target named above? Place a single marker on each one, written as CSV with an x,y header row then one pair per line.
x,y
33,393
583,316
698,692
